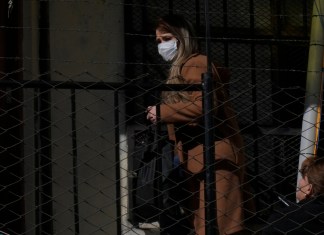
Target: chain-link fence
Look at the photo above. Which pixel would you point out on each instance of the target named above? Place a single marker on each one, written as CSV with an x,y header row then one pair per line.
x,y
77,153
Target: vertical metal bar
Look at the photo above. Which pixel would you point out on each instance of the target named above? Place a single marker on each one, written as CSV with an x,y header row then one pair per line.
x,y
46,191
207,37
225,26
36,164
209,156
254,95
34,23
158,167
117,159
12,157
75,166
305,17
209,147
225,16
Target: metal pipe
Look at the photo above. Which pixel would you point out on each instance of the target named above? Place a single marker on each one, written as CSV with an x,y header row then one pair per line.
x,y
209,147
75,165
97,85
209,156
44,124
313,100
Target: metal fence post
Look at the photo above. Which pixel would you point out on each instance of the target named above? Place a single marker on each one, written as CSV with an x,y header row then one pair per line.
x,y
209,158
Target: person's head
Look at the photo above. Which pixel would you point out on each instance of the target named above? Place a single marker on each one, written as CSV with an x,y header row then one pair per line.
x,y
176,38
312,181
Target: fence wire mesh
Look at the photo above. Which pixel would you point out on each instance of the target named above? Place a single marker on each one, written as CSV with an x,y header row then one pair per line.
x,y
77,155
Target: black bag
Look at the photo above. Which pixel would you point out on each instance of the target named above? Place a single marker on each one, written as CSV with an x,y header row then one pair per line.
x,y
147,183
159,186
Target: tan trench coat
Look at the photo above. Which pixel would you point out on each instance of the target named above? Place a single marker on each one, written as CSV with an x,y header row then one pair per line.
x,y
185,126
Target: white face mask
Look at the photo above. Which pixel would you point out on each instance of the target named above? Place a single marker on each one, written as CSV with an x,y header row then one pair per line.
x,y
168,49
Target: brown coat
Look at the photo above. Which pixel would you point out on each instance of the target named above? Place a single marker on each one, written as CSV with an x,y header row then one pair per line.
x,y
185,121
185,126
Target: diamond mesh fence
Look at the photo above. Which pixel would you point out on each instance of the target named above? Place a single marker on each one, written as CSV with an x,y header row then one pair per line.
x,y
78,155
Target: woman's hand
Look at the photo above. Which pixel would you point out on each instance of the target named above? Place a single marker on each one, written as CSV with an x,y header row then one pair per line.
x,y
151,114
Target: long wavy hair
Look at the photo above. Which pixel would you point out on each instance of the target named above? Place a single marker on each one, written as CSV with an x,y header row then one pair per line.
x,y
187,45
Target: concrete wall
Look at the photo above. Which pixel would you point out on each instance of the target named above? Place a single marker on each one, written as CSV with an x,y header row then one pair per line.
x,y
86,44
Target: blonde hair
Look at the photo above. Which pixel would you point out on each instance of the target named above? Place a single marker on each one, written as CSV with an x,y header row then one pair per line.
x,y
184,32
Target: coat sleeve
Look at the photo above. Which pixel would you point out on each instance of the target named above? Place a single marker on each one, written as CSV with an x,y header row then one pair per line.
x,y
191,110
